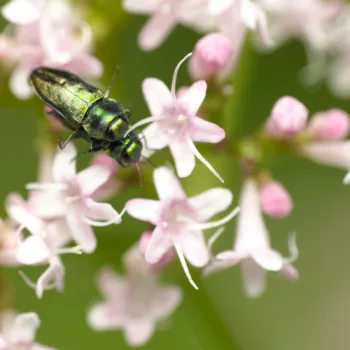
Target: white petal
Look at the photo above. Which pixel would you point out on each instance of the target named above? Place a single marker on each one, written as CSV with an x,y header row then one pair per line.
x,y
154,139
24,328
158,245
100,211
204,131
269,260
218,6
217,266
103,316
195,249
55,273
156,29
37,346
332,153
157,95
194,97
144,209
64,164
141,6
211,202
183,157
166,300
138,332
91,178
253,278
81,231
20,11
33,251
167,184
231,256
19,83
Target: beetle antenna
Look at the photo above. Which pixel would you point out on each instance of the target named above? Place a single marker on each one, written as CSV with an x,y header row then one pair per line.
x,y
115,76
140,174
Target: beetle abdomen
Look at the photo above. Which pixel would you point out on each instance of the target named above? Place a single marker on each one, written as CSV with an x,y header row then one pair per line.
x,y
65,92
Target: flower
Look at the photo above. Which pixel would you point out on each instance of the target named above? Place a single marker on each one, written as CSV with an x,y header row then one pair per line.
x,y
75,191
47,33
18,331
175,123
133,303
179,220
9,243
252,246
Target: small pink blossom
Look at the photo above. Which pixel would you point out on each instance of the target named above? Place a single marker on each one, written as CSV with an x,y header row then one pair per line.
x,y
333,124
252,246
212,54
18,331
179,220
288,117
176,124
133,303
275,199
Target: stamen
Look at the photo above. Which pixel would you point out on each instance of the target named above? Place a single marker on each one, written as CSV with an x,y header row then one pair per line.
x,y
184,264
116,220
71,250
293,248
202,159
214,237
142,122
217,223
42,187
173,83
31,284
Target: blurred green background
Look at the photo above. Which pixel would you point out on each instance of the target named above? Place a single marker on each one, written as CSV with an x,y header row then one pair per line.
x,y
313,313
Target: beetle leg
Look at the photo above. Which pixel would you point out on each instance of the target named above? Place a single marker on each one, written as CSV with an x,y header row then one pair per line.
x,y
72,135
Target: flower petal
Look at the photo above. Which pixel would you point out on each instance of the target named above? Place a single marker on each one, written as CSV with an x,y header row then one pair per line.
x,y
103,316
156,30
63,168
24,328
204,131
166,300
55,272
33,250
269,259
183,157
167,184
194,97
253,278
216,7
211,202
195,249
154,139
19,82
111,285
91,178
157,95
217,266
158,245
144,209
138,332
141,6
20,11
100,211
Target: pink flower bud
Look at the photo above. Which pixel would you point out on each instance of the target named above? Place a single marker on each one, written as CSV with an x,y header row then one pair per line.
x,y
275,200
333,124
211,54
288,117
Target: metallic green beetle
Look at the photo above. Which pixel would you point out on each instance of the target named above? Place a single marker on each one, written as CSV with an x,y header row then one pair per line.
x,y
88,112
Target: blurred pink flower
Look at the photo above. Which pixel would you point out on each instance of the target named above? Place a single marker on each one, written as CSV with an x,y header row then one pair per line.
x,y
133,303
180,220
252,247
47,33
175,123
18,331
9,243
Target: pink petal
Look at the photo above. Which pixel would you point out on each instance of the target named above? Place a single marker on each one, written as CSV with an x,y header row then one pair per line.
x,y
167,185
158,245
91,178
156,94
194,97
195,249
55,272
138,332
154,139
216,266
144,209
166,300
211,202
183,157
19,82
20,11
110,284
24,328
63,168
100,211
102,316
269,259
230,256
156,30
204,131
33,251
81,231
253,278
141,6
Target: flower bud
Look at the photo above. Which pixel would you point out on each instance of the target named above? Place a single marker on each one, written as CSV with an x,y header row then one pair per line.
x,y
275,200
333,124
212,54
288,117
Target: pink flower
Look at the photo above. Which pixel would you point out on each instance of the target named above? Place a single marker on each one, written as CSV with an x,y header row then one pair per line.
x,y
18,331
179,220
275,199
47,33
333,124
75,191
133,303
165,14
252,247
9,243
175,123
288,117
